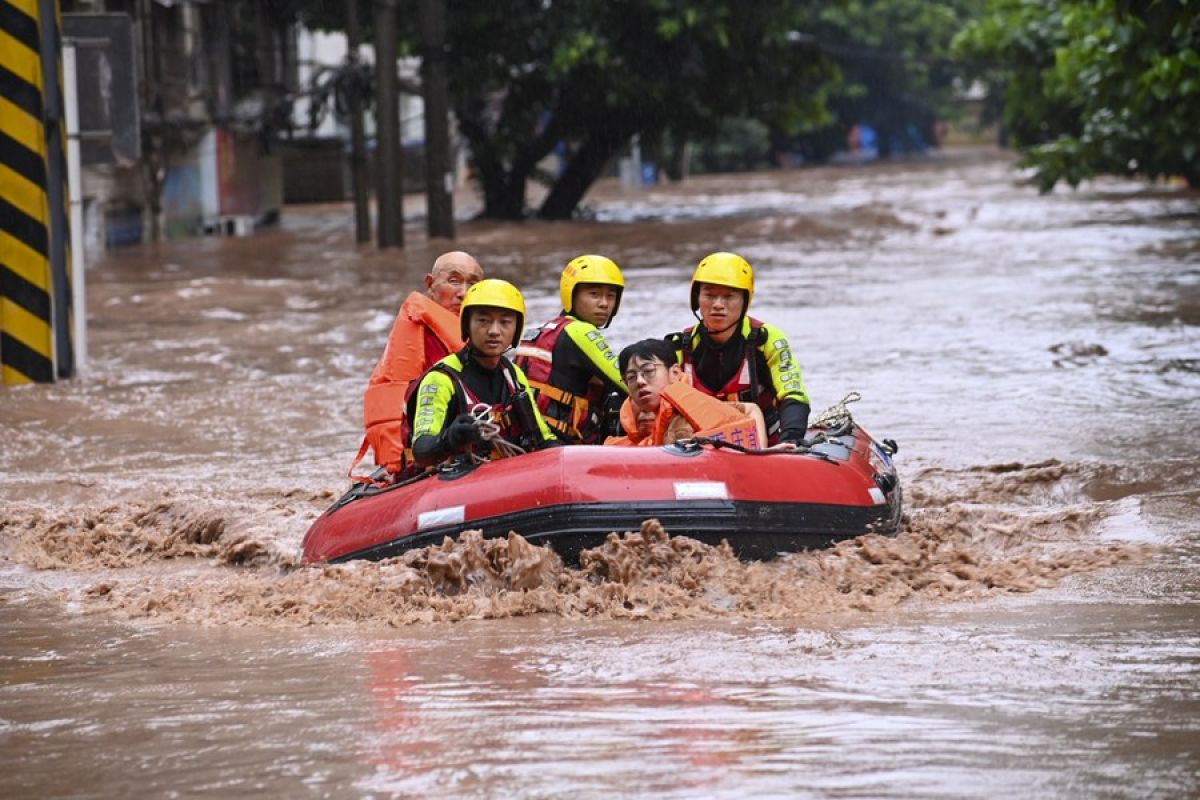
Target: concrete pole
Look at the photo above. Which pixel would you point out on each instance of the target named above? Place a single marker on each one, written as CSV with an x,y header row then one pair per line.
x,y
358,145
75,191
439,174
387,110
51,41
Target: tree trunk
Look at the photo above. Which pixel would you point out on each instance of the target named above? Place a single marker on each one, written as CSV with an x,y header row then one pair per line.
x,y
502,199
680,156
582,171
503,185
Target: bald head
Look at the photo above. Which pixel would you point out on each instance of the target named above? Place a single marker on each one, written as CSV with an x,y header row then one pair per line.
x,y
450,277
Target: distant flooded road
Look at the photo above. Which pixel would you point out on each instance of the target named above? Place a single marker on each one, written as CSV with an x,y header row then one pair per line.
x,y
1033,631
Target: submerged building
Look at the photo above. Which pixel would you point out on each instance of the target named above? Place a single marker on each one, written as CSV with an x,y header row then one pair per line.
x,y
222,93
212,82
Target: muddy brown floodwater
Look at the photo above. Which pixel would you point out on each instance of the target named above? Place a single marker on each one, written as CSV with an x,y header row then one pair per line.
x,y
1031,632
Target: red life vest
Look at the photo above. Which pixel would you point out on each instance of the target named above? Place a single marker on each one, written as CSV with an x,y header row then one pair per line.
x,y
746,385
567,414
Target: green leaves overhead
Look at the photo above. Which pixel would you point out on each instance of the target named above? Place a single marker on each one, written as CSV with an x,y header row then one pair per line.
x,y
585,76
1096,86
527,76
897,71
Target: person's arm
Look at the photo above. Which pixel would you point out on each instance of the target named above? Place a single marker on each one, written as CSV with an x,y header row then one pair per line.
x,y
788,383
793,421
433,441
678,428
597,353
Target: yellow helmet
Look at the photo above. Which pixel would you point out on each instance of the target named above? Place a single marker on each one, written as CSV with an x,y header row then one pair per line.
x,y
723,269
492,293
590,269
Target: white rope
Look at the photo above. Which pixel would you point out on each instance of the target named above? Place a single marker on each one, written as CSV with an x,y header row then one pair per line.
x,y
489,431
837,416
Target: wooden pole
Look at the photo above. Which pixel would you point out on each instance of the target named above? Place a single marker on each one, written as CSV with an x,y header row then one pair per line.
x,y
439,173
387,111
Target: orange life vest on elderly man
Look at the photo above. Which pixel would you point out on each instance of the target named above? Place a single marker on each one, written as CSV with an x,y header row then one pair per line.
x,y
426,330
684,412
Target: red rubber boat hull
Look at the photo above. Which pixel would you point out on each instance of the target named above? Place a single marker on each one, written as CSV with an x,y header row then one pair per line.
x,y
573,497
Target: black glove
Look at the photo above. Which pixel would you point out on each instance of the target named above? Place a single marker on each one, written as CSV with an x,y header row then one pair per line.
x,y
462,432
609,422
793,421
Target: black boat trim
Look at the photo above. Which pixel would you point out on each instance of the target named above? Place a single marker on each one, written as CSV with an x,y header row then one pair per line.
x,y
755,530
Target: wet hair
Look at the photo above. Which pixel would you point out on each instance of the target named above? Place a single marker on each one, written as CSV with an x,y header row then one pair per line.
x,y
647,350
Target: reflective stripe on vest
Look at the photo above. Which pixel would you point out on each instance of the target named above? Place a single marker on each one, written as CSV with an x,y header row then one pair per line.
x,y
465,400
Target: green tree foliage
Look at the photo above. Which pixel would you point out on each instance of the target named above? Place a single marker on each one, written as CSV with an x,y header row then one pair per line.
x,y
896,68
1095,86
740,145
527,75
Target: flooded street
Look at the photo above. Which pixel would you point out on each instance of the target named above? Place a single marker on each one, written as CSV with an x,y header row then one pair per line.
x,y
1033,630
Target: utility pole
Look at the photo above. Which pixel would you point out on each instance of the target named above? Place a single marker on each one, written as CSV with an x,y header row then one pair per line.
x,y
358,145
439,175
56,158
387,127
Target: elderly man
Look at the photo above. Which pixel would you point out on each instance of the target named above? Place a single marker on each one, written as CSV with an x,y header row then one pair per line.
x,y
663,407
426,330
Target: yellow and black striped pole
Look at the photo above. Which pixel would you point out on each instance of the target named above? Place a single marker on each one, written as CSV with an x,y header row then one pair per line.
x,y
35,294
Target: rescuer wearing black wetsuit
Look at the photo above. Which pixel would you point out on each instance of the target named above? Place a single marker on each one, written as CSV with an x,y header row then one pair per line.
x,y
476,382
735,357
568,360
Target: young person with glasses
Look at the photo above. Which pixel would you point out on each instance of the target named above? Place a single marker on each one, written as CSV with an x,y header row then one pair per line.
x,y
662,408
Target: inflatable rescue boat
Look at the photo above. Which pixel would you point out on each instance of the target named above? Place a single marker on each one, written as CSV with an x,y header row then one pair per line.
x,y
763,502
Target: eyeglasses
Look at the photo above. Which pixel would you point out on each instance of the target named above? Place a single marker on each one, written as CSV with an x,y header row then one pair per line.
x,y
647,373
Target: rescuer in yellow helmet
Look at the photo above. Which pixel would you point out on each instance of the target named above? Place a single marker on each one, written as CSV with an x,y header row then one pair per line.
x,y
569,362
476,400
736,357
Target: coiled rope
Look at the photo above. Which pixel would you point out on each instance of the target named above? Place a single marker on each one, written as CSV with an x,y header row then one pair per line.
x,y
489,431
837,420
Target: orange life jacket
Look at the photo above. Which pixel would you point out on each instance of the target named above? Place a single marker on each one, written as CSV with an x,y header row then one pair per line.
x,y
708,416
402,364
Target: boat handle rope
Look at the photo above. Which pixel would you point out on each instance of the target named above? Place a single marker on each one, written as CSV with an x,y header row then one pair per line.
x,y
489,431
773,450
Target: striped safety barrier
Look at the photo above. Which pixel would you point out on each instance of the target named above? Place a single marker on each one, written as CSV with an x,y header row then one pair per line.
x,y
34,279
